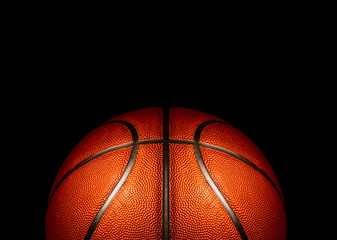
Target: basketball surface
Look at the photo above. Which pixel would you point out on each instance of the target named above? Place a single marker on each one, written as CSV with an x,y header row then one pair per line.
x,y
171,173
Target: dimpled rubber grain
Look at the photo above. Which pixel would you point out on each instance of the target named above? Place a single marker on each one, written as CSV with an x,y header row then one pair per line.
x,y
148,122
136,211
232,139
196,213
252,197
183,122
101,138
78,199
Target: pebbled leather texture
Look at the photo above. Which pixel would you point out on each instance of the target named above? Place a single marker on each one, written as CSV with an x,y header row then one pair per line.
x,y
135,213
99,163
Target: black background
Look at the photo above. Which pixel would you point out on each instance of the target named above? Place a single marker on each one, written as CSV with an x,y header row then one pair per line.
x,y
256,75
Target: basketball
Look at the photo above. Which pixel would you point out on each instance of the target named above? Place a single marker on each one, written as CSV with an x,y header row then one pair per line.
x,y
165,173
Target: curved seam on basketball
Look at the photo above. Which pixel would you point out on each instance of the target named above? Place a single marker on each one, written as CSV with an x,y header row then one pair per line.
x,y
121,181
132,129
111,149
153,141
211,182
244,160
233,154
88,159
113,193
135,139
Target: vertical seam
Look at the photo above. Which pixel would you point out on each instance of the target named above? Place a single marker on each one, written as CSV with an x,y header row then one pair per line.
x,y
166,176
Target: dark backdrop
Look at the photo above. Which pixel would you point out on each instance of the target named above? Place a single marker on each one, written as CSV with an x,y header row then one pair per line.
x,y
69,79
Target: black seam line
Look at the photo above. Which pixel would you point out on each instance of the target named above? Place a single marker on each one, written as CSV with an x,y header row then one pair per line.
x,y
135,139
117,147
201,127
233,154
196,139
132,128
166,176
114,192
172,140
153,141
85,161
120,182
210,180
246,161
217,192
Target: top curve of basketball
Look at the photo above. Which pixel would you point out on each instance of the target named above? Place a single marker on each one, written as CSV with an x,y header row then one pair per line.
x,y
166,173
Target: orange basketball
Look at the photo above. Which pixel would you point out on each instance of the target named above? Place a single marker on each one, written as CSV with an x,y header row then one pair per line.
x,y
166,174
